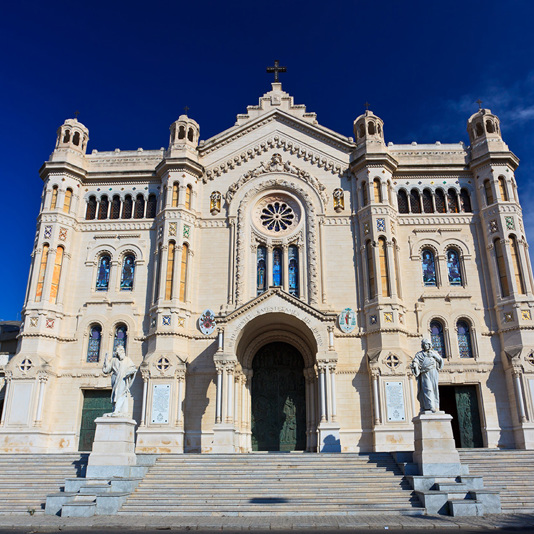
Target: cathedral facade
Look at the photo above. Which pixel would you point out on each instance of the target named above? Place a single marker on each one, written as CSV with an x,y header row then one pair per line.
x,y
272,285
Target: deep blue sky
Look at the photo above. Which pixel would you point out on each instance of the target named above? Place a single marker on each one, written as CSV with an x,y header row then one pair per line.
x,y
131,67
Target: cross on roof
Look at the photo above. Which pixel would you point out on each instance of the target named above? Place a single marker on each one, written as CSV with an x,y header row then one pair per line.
x,y
367,105
76,113
186,109
276,69
479,102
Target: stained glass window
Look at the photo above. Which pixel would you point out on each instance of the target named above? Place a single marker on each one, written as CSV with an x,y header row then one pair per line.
x,y
93,349
465,200
277,267
170,271
183,274
151,206
452,201
115,207
464,340
503,277
429,268
370,269
53,202
415,201
121,335
437,338
139,207
127,207
293,268
427,201
42,271
188,194
502,189
103,209
127,274
175,195
382,252
102,279
261,270
402,201
90,214
67,201
440,201
365,197
453,268
56,275
489,192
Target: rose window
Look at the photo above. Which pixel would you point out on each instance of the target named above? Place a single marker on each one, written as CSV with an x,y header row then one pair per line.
x,y
277,216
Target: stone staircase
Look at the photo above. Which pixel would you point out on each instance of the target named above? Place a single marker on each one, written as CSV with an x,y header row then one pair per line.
x,y
27,479
511,472
273,484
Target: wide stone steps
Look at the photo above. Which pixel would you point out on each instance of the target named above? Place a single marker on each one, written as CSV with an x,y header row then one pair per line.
x,y
26,479
273,484
511,472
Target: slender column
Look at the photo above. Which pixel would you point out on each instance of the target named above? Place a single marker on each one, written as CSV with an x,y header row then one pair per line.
x,y
63,277
39,410
285,268
176,268
523,262
412,396
163,271
168,193
328,393
143,406
323,262
220,339
50,263
333,393
74,204
330,338
376,402
6,399
269,266
313,400
188,288
36,267
181,196
519,396
218,410
322,393
237,396
244,401
514,290
231,270
230,395
308,407
179,408
391,268
303,293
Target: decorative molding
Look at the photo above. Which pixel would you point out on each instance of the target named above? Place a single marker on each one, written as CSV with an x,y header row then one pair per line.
x,y
424,219
113,226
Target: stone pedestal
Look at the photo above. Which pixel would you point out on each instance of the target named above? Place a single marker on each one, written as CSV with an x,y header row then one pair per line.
x,y
329,440
435,450
113,448
160,441
223,439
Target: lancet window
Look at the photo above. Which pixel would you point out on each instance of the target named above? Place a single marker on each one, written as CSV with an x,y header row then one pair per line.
x,y
516,262
188,195
90,213
183,273
127,207
377,190
429,268
465,201
139,207
93,347
170,270
370,269
502,189
151,206
115,207
464,339
384,275
174,203
437,337
293,270
127,273
42,271
67,201
103,208
158,273
427,201
121,336
501,267
489,192
277,267
402,201
56,275
440,201
365,196
452,201
53,202
415,201
102,277
453,268
261,269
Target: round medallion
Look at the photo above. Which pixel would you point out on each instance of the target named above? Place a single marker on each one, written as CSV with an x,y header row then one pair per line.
x,y
277,214
206,322
347,320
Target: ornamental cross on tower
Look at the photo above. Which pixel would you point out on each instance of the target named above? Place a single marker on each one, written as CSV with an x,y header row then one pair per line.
x,y
276,69
479,102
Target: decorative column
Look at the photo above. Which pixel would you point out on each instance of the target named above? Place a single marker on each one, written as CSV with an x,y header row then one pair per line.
x,y
230,394
177,265
224,431
180,379
145,374
42,378
188,291
328,429
285,267
64,276
516,373
333,393
9,376
269,265
375,373
322,392
392,274
162,271
218,406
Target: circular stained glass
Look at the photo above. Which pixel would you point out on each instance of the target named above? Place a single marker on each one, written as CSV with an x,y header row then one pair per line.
x,y
277,216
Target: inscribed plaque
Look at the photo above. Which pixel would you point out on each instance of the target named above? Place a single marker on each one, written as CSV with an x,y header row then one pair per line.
x,y
160,404
395,401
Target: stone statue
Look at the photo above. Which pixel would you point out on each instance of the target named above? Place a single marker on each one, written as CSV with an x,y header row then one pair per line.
x,y
123,372
425,367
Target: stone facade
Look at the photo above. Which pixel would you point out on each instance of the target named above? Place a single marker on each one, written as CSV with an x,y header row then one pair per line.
x,y
348,223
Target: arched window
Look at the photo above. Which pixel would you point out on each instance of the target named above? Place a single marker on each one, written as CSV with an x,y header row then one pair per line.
x,y
427,201
277,267
103,209
102,277
66,137
464,339
151,206
181,132
121,336
396,274
479,129
127,207
56,275
384,277
501,267
489,127
429,267
516,262
53,202
127,273
90,213
76,138
453,267
293,269
93,348
183,274
67,201
452,201
465,200
489,192
261,270
175,195
115,207
371,128
440,201
377,190
365,197
390,194
502,189
402,201
190,134
415,201
158,273
370,269
437,337
170,270
188,194
42,271
139,207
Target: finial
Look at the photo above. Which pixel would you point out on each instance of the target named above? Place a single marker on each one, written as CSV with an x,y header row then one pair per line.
x,y
276,69
479,102
76,113
367,106
186,109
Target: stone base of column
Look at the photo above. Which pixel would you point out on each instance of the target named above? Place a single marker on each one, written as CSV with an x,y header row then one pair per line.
x,y
158,441
435,451
524,436
388,438
223,438
328,437
113,448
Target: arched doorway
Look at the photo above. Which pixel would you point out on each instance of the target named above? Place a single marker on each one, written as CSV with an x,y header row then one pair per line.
x,y
278,392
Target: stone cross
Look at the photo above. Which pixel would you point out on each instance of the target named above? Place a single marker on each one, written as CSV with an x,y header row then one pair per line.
x,y
276,69
479,102
186,109
76,113
367,105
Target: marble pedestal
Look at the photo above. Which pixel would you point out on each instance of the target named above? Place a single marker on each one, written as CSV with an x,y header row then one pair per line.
x,y
113,448
435,451
329,440
223,439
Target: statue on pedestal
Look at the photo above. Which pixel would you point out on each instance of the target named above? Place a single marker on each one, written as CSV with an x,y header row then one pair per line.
x,y
425,367
123,372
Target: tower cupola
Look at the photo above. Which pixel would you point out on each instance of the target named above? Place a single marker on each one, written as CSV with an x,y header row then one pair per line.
x,y
484,130
185,133
369,128
72,135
